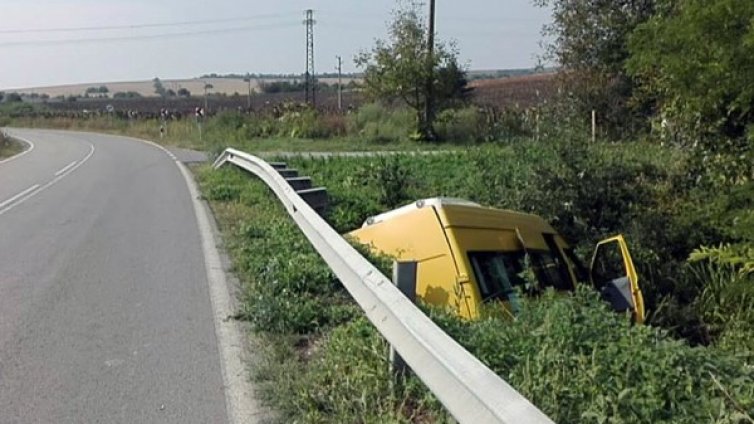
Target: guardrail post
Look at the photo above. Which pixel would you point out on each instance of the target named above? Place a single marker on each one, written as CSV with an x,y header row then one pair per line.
x,y
404,277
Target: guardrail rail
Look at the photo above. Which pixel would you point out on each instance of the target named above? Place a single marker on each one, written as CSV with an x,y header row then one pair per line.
x,y
470,391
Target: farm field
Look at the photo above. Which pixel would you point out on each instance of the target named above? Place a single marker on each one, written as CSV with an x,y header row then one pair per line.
x,y
227,86
511,92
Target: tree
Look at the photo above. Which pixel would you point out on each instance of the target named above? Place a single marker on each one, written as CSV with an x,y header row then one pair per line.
x,y
398,69
126,95
159,89
590,43
697,61
183,92
13,98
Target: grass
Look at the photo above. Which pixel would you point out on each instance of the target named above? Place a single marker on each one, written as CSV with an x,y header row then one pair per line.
x,y
185,134
323,361
9,147
572,357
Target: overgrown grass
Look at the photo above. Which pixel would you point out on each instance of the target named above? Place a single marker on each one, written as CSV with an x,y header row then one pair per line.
x,y
292,127
9,147
324,363
572,357
216,137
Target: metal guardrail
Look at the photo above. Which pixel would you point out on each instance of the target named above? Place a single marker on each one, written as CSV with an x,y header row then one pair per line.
x,y
470,391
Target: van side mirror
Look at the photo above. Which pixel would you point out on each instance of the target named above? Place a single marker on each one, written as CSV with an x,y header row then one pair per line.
x,y
613,274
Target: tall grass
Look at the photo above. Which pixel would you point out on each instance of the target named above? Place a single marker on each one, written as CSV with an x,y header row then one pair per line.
x,y
8,147
575,359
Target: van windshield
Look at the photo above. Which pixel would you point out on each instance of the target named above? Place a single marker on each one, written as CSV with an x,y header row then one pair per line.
x,y
498,273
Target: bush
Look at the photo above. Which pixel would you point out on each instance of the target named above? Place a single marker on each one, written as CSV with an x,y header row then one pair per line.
x,y
467,125
379,124
569,354
580,362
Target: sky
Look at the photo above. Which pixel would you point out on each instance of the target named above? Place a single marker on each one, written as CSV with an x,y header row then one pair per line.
x,y
188,38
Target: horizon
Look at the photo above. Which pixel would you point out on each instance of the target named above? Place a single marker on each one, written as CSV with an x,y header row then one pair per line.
x,y
89,41
260,76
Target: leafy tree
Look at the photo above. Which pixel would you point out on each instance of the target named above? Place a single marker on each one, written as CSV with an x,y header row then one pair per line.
x,y
697,61
183,92
97,90
398,69
590,42
126,95
13,98
159,89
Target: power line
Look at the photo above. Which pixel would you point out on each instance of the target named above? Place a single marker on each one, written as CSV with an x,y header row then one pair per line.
x,y
37,43
145,25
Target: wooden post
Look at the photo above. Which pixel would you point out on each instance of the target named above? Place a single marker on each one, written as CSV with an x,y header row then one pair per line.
x,y
404,277
594,126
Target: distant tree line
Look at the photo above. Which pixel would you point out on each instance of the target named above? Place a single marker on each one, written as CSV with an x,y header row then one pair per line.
x,y
280,76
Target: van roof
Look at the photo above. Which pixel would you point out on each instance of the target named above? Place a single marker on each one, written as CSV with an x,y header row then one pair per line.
x,y
455,212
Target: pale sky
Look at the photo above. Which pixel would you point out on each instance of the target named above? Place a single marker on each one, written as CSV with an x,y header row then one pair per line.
x,y
246,36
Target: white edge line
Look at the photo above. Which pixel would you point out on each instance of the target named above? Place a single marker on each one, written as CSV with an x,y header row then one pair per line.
x,y
21,194
23,140
51,183
240,400
66,168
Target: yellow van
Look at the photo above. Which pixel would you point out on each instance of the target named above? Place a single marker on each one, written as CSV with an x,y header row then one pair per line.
x,y
468,254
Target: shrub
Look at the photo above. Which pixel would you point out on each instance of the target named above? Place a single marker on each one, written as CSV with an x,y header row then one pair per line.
x,y
580,362
467,125
378,124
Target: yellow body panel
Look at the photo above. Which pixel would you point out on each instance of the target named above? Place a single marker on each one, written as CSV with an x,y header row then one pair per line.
x,y
439,237
419,236
451,239
633,277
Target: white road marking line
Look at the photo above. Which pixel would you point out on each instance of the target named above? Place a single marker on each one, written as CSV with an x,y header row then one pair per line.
x,y
21,194
49,184
31,147
66,168
240,399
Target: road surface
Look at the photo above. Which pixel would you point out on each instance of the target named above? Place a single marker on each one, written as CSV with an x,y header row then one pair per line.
x,y
105,311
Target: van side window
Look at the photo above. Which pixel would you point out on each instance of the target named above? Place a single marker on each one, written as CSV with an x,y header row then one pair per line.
x,y
498,273
549,271
494,275
562,281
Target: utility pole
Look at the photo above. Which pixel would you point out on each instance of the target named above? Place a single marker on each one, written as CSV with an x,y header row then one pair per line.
x,y
207,86
429,104
248,80
340,82
310,83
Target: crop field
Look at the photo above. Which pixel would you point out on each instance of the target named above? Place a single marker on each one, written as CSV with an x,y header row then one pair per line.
x,y
513,92
519,92
227,86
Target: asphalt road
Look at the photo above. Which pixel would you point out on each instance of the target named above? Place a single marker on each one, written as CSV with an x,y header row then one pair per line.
x,y
105,313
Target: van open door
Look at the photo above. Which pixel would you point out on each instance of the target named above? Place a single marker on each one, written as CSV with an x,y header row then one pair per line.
x,y
613,274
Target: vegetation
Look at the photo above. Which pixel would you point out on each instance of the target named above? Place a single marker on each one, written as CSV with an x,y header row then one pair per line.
x,y
102,90
126,95
572,357
159,88
708,86
399,69
675,178
8,147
